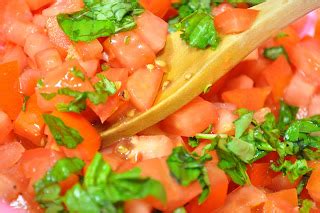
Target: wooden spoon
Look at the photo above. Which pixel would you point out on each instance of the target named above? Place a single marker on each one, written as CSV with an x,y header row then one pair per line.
x,y
191,70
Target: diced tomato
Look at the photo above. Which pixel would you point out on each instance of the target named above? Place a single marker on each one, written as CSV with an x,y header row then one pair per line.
x,y
261,174
152,30
177,195
48,59
314,108
10,154
252,99
287,37
91,139
37,4
122,112
148,147
61,77
143,87
40,20
30,124
17,31
240,82
244,199
36,162
63,6
104,111
137,206
28,81
6,126
15,53
36,43
171,13
89,50
90,67
235,20
221,8
224,124
113,160
313,185
288,196
278,75
306,57
185,123
57,36
281,182
252,68
129,50
21,12
218,191
8,189
11,99
300,91
159,8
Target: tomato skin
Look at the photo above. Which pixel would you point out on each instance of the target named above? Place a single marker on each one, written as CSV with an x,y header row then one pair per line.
x,y
261,174
184,123
218,191
281,182
11,99
129,50
252,99
91,139
143,86
30,124
6,126
63,6
10,154
277,76
235,20
240,82
159,8
152,30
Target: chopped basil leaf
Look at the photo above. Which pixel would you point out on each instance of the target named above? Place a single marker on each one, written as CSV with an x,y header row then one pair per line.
x,y
242,149
48,96
287,114
303,183
78,104
306,206
40,83
194,141
293,170
48,190
63,135
273,53
281,35
187,168
24,104
78,73
243,123
198,30
100,18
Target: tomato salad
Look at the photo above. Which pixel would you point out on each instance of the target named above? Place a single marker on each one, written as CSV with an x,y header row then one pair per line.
x,y
249,143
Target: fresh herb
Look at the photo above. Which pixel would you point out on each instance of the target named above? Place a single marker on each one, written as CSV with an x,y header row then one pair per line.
x,y
24,104
207,88
63,134
78,73
187,168
40,83
198,30
48,96
273,53
48,190
100,18
303,183
287,114
293,170
78,104
194,141
306,206
101,189
281,35
243,122
251,2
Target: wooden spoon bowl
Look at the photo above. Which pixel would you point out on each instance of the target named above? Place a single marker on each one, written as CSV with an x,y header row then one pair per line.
x,y
191,70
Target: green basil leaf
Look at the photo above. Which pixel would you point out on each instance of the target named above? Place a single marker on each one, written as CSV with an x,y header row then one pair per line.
x,y
273,53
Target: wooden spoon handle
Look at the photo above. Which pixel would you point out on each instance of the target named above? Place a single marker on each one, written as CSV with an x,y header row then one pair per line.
x,y
191,70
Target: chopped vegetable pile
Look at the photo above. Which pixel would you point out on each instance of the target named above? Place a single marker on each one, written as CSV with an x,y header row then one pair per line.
x,y
249,143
